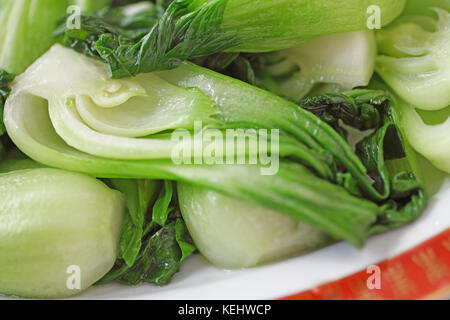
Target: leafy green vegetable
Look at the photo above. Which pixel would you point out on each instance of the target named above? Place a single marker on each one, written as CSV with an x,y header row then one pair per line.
x,y
53,223
139,194
415,56
236,234
414,62
177,36
121,105
26,32
362,114
164,241
269,25
191,29
161,208
161,256
320,180
132,21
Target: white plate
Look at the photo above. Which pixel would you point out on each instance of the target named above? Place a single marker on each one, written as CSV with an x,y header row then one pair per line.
x,y
199,280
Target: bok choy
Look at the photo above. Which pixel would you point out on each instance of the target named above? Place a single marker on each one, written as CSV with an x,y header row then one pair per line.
x,y
48,127
53,225
414,61
415,57
144,147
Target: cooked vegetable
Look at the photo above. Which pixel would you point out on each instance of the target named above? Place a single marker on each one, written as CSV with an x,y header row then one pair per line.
x,y
252,177
190,29
26,32
319,157
54,225
238,234
295,71
152,249
415,63
415,56
139,194
428,133
274,25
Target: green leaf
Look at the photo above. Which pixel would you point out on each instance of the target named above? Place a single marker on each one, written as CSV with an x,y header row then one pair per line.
x,y
139,194
154,38
408,200
383,144
159,260
178,36
357,113
161,208
154,239
183,239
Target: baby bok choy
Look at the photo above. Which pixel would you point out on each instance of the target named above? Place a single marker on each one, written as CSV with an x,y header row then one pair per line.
x,y
93,124
414,61
59,232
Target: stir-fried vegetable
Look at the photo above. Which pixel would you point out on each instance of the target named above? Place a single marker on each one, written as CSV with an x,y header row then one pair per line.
x,y
192,152
54,224
415,63
305,139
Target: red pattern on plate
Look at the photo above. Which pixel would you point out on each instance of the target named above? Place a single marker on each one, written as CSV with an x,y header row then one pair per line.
x,y
420,273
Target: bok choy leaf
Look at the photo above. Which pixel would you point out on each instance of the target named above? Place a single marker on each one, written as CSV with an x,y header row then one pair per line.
x,y
159,244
